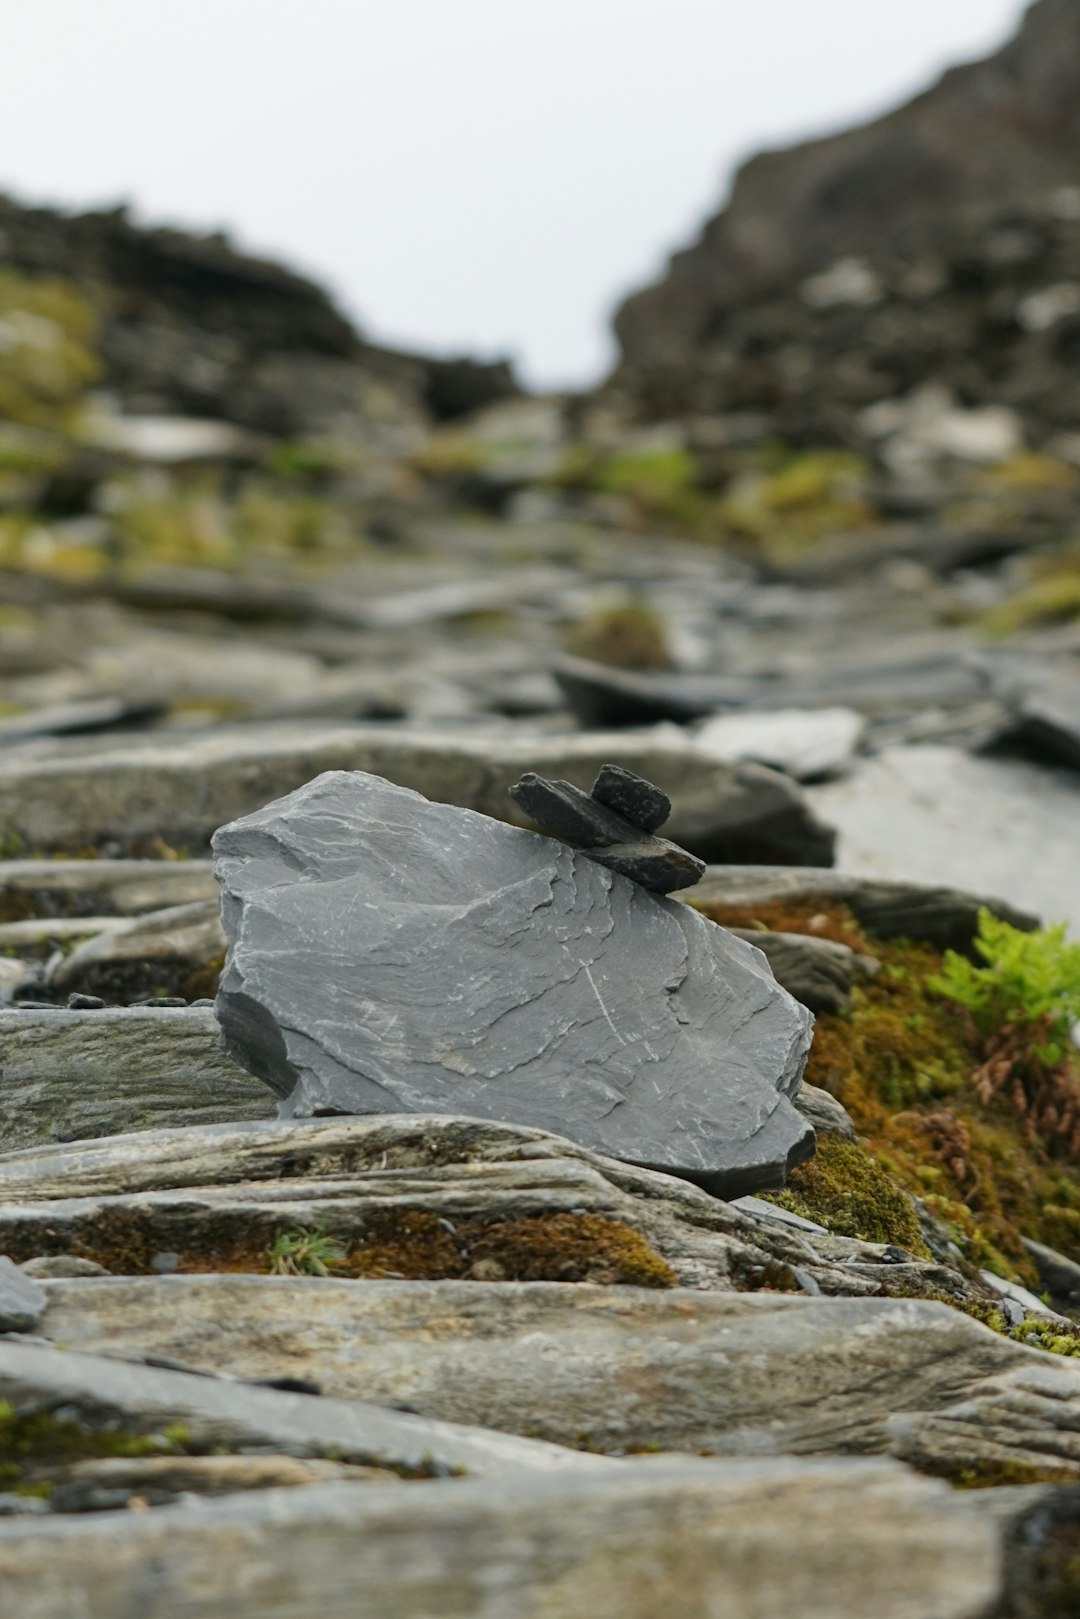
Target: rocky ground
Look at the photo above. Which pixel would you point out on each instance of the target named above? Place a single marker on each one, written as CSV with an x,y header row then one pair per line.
x,y
564,1296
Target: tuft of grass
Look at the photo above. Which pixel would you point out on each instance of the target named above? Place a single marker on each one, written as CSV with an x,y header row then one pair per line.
x,y
307,1253
627,635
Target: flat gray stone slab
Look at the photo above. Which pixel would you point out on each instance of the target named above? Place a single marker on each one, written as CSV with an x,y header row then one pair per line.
x,y
803,1536
616,1367
388,954
1050,718
200,1189
809,744
97,888
22,1301
939,815
69,1075
818,972
72,794
145,1399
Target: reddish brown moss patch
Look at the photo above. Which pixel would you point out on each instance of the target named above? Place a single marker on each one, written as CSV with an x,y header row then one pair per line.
x,y
414,1245
822,919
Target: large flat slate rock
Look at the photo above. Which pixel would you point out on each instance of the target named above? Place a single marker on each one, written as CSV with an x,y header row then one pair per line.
x,y
67,796
388,954
109,1391
616,1368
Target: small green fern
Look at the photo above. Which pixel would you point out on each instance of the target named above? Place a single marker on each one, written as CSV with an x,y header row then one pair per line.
x,y
1028,979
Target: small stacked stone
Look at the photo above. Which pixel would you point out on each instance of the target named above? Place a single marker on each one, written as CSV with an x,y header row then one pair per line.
x,y
614,824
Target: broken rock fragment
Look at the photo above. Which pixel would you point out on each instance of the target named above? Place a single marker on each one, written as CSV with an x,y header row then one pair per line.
x,y
391,955
614,823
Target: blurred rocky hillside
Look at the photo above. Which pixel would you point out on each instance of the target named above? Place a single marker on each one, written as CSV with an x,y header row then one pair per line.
x,y
991,135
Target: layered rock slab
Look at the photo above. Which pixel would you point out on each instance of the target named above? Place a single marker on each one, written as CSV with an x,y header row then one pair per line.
x,y
388,954
617,1368
638,1538
69,1075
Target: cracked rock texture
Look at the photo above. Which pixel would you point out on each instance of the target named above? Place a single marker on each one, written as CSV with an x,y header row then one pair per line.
x,y
388,954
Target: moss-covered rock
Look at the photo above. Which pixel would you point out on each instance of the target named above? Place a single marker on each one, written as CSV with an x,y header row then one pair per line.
x,y
37,1445
785,511
846,1190
934,1107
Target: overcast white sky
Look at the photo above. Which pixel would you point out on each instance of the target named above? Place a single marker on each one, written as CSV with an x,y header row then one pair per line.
x,y
467,175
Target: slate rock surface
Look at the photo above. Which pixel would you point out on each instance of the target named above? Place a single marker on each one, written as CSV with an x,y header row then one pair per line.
x,y
387,954
1050,718
939,815
630,796
947,918
22,1301
69,1075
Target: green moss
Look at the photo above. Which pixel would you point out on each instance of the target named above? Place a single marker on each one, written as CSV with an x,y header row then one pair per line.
x,y
821,919
658,482
450,455
47,354
412,1244
304,461
959,1115
996,1474
626,635
35,1444
846,1190
786,512
529,1248
1031,470
1047,601
264,521
1054,1337
186,527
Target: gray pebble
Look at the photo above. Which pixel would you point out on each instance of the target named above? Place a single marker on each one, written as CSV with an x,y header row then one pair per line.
x,y
53,1267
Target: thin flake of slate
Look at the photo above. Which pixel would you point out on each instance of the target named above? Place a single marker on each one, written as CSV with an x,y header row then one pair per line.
x,y
391,955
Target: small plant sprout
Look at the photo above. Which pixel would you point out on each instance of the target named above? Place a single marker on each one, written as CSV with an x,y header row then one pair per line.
x,y
306,1253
